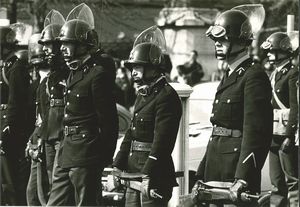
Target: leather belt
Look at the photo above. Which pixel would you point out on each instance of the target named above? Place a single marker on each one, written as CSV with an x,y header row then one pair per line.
x,y
69,130
221,131
141,146
3,106
57,102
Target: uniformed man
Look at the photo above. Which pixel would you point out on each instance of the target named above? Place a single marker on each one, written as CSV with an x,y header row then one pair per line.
x,y
150,140
15,80
50,100
90,118
242,111
37,61
284,164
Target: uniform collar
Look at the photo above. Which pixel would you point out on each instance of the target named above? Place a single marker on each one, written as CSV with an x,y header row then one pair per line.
x,y
238,61
282,65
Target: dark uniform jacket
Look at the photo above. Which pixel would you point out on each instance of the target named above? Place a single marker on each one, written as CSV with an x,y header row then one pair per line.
x,y
242,102
286,90
91,108
15,80
156,120
51,104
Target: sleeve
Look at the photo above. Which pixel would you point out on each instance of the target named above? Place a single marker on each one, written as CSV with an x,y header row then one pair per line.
x,y
106,110
121,159
257,125
18,93
293,116
167,119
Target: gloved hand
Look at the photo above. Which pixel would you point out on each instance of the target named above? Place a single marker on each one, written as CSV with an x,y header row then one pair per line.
x,y
116,180
35,151
236,189
148,191
195,191
287,145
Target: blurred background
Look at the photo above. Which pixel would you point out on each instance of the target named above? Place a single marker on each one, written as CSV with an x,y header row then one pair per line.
x,y
183,22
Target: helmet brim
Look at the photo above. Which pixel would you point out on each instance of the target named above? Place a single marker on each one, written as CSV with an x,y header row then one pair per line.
x,y
131,63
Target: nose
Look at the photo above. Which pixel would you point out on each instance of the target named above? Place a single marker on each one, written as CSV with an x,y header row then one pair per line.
x,y
62,48
133,73
217,43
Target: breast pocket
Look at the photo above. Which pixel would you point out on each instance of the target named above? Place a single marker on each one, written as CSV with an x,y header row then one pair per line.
x,y
79,101
145,124
231,108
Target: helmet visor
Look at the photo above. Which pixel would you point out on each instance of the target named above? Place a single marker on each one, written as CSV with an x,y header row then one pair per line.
x,y
216,31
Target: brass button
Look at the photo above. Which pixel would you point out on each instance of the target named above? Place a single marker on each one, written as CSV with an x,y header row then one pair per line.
x,y
52,88
69,91
278,90
235,149
77,95
4,116
136,114
228,100
217,101
68,103
133,128
66,115
83,135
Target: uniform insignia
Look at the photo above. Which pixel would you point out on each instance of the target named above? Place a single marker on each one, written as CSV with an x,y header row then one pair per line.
x,y
284,70
63,82
240,70
249,156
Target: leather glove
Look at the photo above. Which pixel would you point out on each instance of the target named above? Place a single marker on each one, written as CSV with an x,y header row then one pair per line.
x,y
147,189
116,180
287,145
36,151
236,189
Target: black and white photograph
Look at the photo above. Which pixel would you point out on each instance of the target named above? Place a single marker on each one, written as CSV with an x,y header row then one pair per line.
x,y
149,103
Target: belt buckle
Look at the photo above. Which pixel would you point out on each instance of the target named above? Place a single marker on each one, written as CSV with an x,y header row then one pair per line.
x,y
52,102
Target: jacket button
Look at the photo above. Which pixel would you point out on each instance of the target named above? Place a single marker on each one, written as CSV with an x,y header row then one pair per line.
x,y
51,95
83,135
217,101
142,119
278,90
65,93
210,139
52,88
235,149
136,114
228,100
4,116
66,115
68,103
212,115
77,95
69,91
133,128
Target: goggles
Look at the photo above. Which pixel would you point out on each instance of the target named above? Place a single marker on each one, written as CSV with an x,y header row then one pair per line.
x,y
216,31
266,45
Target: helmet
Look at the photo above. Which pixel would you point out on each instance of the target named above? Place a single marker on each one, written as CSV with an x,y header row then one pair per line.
x,y
50,33
231,25
279,41
36,54
78,31
148,48
145,54
7,36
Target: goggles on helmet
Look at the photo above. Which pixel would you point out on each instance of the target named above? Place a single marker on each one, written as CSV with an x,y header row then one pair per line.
x,y
266,45
216,31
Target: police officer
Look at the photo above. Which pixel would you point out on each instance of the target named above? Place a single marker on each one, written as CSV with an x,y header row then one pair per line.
x,y
150,140
242,111
283,166
15,80
90,118
36,57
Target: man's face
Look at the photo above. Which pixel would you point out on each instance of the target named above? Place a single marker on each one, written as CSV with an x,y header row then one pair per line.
x,y
276,56
68,51
221,47
137,73
50,51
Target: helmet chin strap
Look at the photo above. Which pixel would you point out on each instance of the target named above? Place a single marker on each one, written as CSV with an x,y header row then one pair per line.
x,y
75,64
